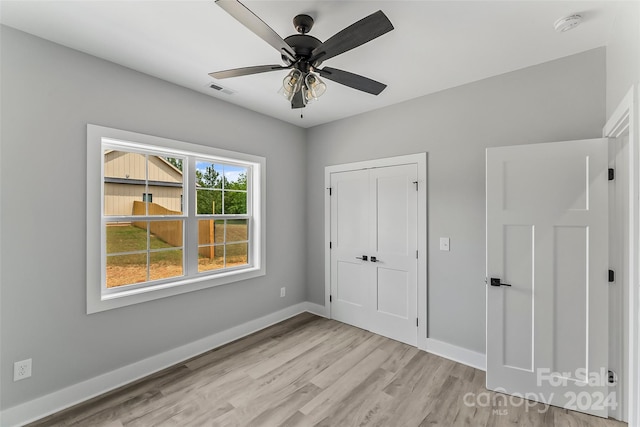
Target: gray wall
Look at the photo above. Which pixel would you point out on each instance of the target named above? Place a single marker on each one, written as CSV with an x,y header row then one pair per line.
x,y
554,101
49,94
623,54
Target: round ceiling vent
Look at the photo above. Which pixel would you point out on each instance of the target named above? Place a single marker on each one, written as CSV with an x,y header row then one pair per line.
x,y
567,23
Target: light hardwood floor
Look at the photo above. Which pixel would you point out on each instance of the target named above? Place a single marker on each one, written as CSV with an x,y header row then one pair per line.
x,y
310,371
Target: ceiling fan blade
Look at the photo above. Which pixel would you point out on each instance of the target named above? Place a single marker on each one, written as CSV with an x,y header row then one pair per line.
x,y
353,36
257,26
245,71
354,81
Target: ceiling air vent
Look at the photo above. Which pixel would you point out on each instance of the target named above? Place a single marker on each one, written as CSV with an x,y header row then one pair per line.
x,y
220,89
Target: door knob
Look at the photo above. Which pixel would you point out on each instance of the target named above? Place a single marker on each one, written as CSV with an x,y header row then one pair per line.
x,y
496,282
364,257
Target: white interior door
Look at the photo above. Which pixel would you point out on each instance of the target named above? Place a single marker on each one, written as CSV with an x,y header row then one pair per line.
x,y
547,239
373,250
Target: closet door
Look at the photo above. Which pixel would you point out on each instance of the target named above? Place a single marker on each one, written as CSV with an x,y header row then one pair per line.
x,y
374,250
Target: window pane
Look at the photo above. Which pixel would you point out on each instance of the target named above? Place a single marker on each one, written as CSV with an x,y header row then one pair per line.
x,y
163,201
210,258
125,183
219,231
133,181
165,264
210,231
235,178
125,237
235,202
208,175
126,269
165,234
209,201
164,186
237,230
237,254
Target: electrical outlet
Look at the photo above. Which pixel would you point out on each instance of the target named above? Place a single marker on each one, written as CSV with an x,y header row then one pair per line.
x,y
444,243
22,370
283,291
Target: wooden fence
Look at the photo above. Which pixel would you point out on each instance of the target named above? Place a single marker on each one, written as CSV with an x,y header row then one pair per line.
x,y
171,231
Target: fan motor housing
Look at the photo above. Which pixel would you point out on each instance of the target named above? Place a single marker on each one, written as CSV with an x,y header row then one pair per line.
x,y
303,44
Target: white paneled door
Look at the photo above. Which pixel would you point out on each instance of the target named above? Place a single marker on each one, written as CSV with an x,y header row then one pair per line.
x,y
374,249
547,267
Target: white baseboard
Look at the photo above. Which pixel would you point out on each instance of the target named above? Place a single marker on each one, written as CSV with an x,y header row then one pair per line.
x,y
58,400
317,309
457,354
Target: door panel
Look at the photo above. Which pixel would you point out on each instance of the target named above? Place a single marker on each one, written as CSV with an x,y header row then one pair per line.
x,y
547,236
571,299
393,293
352,203
518,305
349,278
524,192
392,224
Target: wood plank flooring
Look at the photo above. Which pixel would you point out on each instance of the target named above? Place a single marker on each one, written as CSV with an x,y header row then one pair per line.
x,y
311,371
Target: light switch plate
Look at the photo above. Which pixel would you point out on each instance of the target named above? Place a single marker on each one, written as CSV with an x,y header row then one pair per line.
x,y
444,244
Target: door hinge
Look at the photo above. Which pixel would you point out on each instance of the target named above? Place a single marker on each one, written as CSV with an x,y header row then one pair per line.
x,y
417,320
612,276
612,174
329,188
612,377
330,247
416,254
416,183
330,298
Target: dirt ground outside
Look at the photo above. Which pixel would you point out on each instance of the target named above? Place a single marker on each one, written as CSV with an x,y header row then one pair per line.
x,y
118,275
126,268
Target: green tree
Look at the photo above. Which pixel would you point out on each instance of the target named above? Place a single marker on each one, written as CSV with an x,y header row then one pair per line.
x,y
209,178
235,202
175,162
207,199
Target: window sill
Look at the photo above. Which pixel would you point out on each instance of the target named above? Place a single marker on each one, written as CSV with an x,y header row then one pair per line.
x,y
135,296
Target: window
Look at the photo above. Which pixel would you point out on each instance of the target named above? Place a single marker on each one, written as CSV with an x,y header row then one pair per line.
x,y
197,225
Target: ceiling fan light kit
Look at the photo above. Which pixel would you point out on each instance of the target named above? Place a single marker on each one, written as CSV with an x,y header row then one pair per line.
x,y
291,84
303,54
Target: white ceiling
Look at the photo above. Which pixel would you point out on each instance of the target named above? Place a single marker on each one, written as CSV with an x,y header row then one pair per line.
x,y
435,44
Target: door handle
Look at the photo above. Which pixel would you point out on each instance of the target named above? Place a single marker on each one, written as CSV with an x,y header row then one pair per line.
x,y
364,257
496,282
374,259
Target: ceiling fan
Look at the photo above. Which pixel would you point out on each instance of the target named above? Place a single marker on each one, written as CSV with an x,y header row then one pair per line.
x,y
303,54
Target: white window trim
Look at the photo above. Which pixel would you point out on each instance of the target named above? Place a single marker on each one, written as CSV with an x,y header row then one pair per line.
x,y
96,301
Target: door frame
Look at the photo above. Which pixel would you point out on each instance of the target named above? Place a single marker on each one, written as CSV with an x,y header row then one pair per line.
x,y
420,159
624,121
